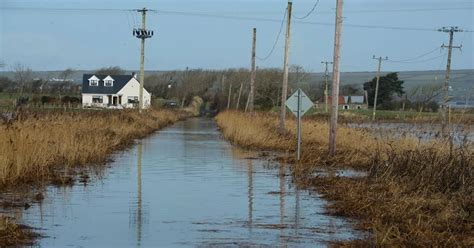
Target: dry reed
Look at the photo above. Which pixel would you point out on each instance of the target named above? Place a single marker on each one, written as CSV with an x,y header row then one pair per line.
x,y
33,147
415,194
12,234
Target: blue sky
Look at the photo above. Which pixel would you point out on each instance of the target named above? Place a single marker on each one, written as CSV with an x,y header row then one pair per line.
x,y
58,39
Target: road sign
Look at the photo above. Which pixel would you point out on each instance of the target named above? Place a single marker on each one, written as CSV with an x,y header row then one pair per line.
x,y
299,103
305,105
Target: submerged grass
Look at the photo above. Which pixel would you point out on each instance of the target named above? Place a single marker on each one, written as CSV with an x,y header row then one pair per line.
x,y
39,145
12,234
415,194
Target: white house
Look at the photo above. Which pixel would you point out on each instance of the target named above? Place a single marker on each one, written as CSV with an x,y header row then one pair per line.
x,y
117,91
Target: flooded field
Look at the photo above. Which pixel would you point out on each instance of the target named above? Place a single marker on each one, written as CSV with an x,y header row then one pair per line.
x,y
185,186
422,131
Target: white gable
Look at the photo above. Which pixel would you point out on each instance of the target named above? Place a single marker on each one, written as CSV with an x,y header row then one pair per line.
x,y
108,81
132,88
94,81
93,78
108,78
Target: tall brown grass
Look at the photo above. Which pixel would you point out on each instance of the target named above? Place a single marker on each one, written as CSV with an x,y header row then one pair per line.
x,y
12,234
33,147
414,194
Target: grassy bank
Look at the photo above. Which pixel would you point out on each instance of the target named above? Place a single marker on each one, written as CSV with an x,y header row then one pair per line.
x,y
414,194
38,145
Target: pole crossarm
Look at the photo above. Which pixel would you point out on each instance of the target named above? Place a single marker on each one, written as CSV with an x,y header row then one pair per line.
x,y
142,33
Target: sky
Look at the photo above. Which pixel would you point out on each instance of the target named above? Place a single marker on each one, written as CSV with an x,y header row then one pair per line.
x,y
217,34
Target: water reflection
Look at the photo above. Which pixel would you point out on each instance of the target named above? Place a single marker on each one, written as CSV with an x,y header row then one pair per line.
x,y
282,203
250,193
186,186
138,221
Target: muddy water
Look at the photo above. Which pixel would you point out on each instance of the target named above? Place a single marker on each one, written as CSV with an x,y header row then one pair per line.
x,y
185,186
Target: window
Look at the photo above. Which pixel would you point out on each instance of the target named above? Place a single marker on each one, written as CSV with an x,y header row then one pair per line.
x,y
132,99
97,99
109,83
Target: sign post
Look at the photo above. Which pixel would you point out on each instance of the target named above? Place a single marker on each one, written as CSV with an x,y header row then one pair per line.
x,y
299,103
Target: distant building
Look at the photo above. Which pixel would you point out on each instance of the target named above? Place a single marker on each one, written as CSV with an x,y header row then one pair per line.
x,y
118,91
346,102
460,104
355,102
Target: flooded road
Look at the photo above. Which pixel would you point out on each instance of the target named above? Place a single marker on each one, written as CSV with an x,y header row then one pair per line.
x,y
185,186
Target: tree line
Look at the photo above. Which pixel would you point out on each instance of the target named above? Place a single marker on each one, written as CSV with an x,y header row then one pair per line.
x,y
222,88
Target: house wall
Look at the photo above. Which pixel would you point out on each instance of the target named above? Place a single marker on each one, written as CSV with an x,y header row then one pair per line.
x,y
132,89
87,100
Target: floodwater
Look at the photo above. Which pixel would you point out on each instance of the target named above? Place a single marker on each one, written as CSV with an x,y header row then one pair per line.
x,y
461,133
185,187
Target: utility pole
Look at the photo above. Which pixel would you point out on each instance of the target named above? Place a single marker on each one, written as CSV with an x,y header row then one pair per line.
x,y
326,76
142,34
284,88
253,71
335,78
451,31
380,59
230,91
238,97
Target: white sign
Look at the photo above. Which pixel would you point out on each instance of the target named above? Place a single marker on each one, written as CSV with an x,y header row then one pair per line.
x,y
292,103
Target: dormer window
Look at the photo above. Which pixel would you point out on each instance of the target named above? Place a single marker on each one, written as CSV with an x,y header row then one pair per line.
x,y
108,81
94,81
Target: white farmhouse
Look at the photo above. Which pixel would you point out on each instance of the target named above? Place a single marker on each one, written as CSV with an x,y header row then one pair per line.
x,y
117,91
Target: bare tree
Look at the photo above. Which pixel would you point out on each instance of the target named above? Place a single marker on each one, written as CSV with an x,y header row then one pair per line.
x,y
22,75
66,74
111,70
422,95
297,76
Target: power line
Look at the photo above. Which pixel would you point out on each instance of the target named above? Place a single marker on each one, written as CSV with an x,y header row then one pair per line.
x,y
300,22
417,57
314,7
230,17
405,10
420,61
276,40
309,13
67,9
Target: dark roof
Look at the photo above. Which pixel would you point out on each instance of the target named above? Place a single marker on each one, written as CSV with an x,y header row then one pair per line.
x,y
119,82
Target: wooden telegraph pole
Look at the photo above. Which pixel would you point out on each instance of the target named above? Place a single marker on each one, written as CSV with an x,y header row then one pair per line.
x,y
380,59
230,91
142,34
238,97
284,88
253,71
451,31
335,79
326,76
